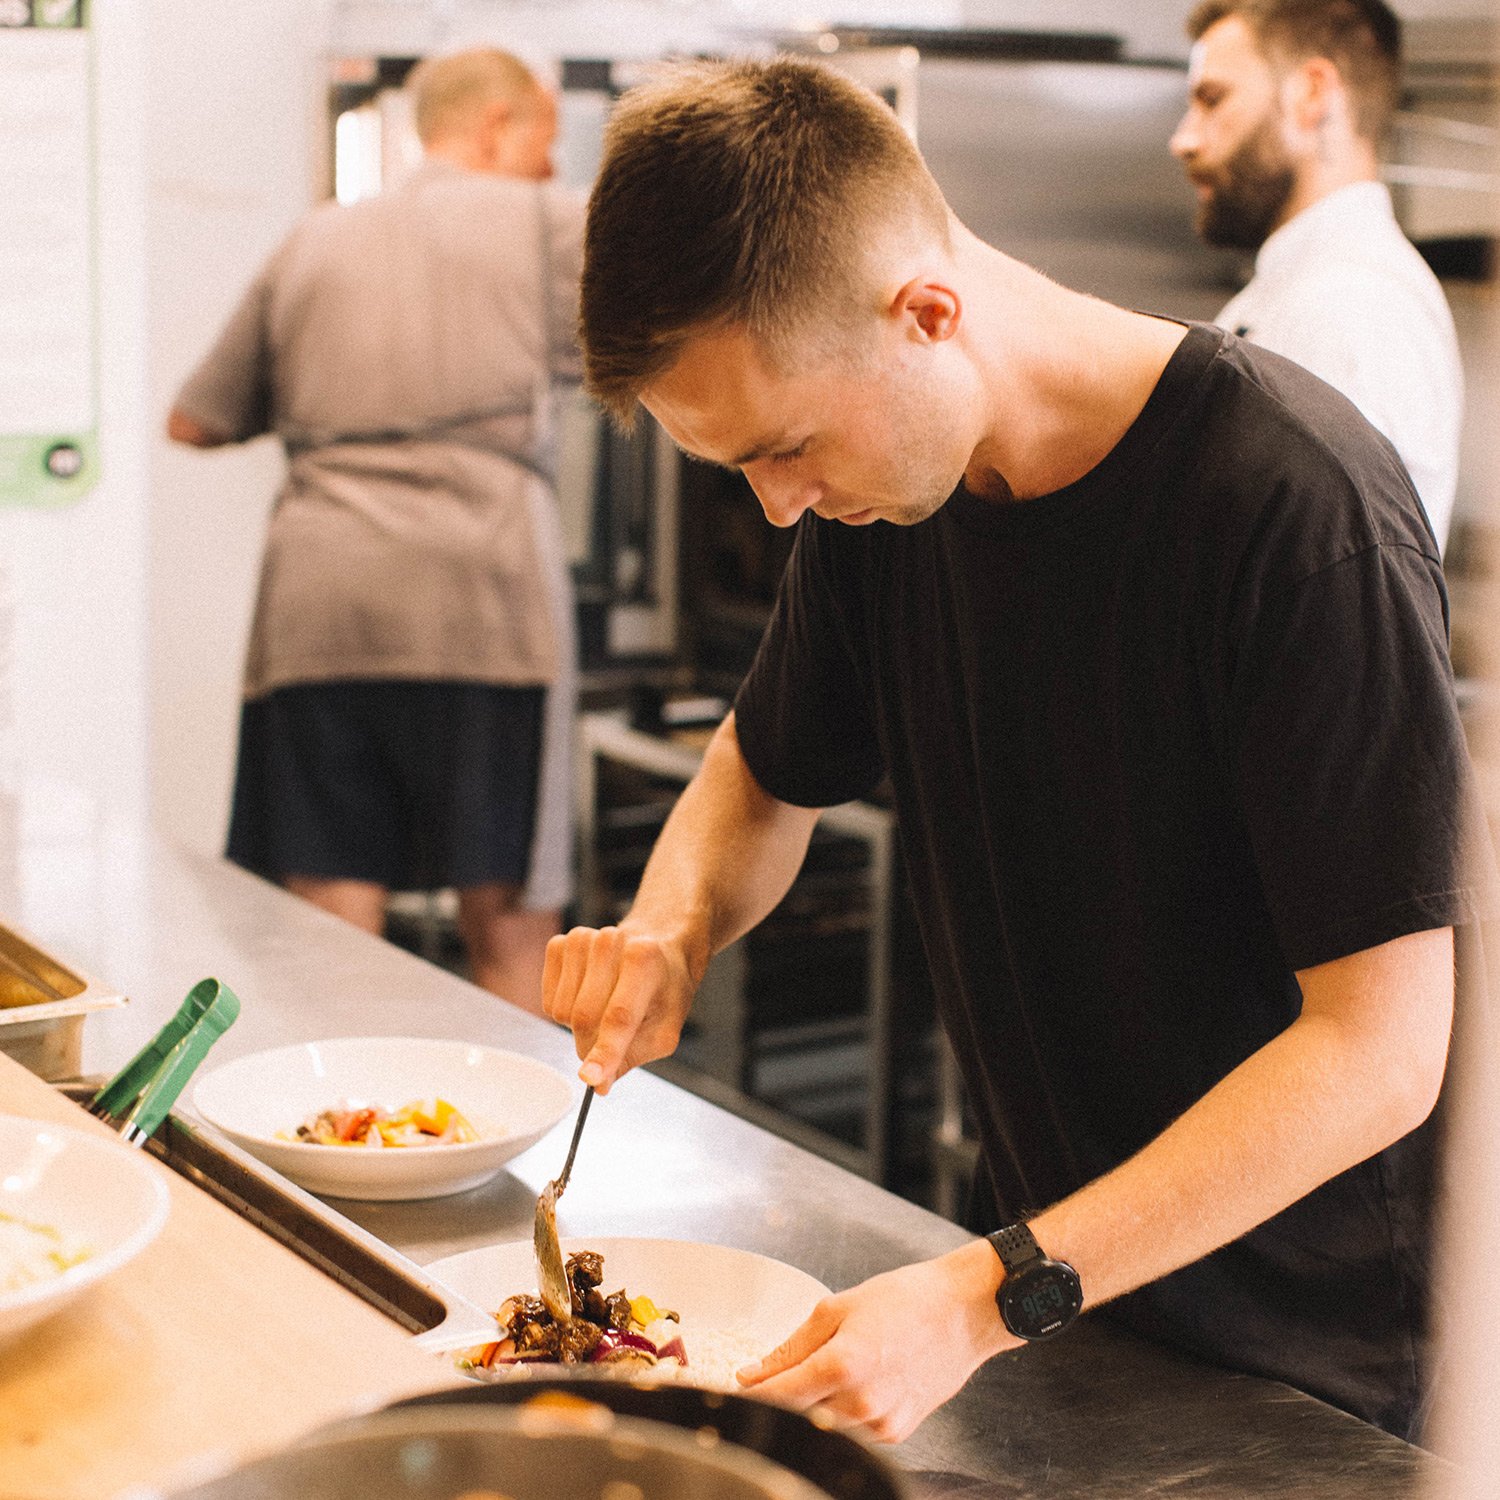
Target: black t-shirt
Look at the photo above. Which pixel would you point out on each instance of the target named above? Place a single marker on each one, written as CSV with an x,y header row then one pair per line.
x,y
1157,740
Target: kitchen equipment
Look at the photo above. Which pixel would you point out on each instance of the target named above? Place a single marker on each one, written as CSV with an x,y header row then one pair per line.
x,y
563,1447
138,1098
43,1005
551,1275
74,1207
734,1305
836,1463
258,1101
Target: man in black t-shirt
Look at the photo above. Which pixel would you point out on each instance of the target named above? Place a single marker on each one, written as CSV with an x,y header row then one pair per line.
x,y
1149,633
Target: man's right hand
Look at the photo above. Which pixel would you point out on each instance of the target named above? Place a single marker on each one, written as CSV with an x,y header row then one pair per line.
x,y
624,994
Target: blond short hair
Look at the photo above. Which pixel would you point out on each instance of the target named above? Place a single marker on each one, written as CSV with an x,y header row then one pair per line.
x,y
740,193
449,94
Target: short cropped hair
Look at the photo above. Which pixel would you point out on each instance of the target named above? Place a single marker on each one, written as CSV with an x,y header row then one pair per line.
x,y
1361,38
450,93
739,193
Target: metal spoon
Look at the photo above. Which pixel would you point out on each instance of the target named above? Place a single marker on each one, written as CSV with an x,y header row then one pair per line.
x,y
551,1274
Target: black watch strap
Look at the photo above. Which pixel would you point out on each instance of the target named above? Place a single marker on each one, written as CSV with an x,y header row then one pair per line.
x,y
1015,1245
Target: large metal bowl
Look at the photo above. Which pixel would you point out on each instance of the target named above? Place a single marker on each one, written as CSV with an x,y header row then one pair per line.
x,y
838,1466
573,1451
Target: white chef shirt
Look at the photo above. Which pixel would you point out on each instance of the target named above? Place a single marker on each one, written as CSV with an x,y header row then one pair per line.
x,y
1343,292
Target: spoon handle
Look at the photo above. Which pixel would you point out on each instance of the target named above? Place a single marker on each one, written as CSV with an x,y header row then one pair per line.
x,y
583,1111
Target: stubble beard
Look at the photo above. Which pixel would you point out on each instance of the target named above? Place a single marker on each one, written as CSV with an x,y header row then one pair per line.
x,y
1250,193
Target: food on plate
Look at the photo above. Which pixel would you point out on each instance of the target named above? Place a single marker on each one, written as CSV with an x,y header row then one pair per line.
x,y
616,1329
30,1253
423,1122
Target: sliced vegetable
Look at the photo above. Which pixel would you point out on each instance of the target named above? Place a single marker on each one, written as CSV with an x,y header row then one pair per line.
x,y
644,1312
424,1122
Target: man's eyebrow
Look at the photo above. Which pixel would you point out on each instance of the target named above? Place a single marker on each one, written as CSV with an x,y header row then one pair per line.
x,y
761,449
758,450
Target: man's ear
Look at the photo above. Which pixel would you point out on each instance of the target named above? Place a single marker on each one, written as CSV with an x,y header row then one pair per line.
x,y
929,309
1315,94
493,123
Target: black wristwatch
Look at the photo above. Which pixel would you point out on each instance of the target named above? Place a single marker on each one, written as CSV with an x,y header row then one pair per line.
x,y
1039,1296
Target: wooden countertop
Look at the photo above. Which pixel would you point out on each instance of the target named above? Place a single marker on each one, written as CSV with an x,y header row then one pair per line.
x,y
214,1345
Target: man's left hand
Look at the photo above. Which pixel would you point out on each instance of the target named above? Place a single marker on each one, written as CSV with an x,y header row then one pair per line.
x,y
884,1354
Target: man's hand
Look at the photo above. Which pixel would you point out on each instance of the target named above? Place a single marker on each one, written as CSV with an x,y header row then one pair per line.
x,y
727,855
182,428
884,1354
623,993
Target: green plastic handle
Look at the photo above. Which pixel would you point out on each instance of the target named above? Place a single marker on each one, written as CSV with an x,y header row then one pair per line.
x,y
142,1093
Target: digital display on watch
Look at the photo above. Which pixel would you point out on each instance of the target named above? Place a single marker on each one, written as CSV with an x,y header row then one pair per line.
x,y
1041,1301
1039,1306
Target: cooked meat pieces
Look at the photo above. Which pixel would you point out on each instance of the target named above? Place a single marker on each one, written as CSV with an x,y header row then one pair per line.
x,y
577,1341
538,1340
585,1270
537,1335
524,1308
617,1310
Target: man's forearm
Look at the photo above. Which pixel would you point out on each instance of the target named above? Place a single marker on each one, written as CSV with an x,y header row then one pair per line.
x,y
727,855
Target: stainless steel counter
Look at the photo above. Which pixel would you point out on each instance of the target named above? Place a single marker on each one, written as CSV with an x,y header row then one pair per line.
x,y
1097,1414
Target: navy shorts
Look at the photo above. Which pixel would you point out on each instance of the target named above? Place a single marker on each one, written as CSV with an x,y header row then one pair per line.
x,y
416,786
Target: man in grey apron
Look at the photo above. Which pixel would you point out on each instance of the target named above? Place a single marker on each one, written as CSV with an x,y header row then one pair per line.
x,y
409,688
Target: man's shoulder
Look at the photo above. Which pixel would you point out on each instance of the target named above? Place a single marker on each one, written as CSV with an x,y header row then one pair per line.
x,y
1284,451
487,187
1358,269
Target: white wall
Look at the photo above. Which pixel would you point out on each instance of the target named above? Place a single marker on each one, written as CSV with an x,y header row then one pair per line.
x,y
234,111
73,686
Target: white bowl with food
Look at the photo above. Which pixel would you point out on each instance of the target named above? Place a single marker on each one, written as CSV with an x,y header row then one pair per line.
x,y
384,1117
74,1207
701,1311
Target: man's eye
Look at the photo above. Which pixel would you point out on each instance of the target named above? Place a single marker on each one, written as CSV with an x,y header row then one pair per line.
x,y
789,455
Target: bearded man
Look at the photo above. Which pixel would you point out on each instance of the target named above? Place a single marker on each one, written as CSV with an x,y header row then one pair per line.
x,y
1289,103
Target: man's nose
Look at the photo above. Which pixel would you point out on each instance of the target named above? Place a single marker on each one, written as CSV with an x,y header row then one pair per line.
x,y
1184,142
783,500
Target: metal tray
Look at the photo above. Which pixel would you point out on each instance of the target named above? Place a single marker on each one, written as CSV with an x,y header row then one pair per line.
x,y
351,1256
43,1003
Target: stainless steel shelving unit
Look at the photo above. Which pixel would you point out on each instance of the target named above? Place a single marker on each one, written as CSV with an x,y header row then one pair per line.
x,y
608,737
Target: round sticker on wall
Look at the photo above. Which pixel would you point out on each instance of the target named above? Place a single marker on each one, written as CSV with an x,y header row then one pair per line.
x,y
63,460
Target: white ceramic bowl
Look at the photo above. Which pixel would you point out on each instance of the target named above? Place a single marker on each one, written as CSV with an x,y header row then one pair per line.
x,y
735,1305
511,1100
103,1200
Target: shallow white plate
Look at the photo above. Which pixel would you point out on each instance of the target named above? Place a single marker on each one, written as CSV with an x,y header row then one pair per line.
x,y
511,1100
103,1199
735,1305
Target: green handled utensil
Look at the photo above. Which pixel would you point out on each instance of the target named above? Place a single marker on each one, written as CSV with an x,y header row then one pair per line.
x,y
137,1099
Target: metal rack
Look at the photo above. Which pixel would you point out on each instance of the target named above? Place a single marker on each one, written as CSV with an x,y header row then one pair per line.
x,y
721,1013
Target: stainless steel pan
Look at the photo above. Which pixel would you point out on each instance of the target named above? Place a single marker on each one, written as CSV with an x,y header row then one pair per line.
x,y
576,1451
838,1466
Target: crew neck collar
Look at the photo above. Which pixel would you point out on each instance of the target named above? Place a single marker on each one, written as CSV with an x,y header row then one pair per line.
x,y
1163,408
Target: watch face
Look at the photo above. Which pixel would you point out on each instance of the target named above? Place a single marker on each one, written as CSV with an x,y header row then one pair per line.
x,y
1042,1300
